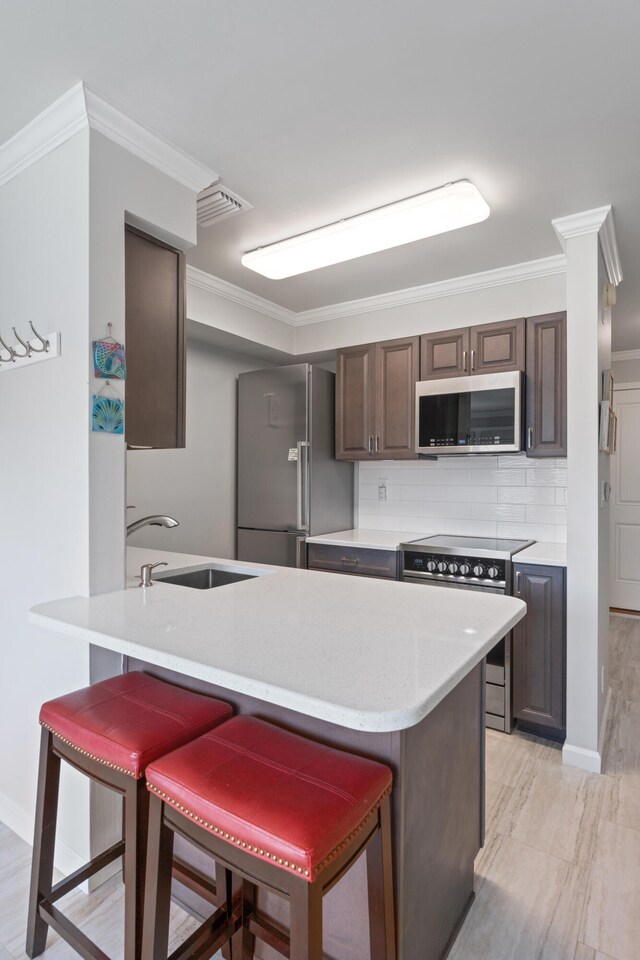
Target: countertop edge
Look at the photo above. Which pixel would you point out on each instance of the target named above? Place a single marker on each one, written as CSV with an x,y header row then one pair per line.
x,y
378,722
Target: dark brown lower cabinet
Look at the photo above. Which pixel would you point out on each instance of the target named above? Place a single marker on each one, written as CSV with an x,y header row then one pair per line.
x,y
359,561
539,651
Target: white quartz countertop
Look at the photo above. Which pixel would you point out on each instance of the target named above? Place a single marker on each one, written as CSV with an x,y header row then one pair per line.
x,y
366,654
369,539
547,554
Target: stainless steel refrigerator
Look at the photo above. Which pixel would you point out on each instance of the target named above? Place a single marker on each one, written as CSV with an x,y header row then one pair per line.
x,y
290,486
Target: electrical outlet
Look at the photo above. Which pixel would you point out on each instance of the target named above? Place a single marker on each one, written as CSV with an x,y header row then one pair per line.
x,y
382,490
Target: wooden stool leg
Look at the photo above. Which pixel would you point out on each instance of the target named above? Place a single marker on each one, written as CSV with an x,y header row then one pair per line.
x,y
382,928
155,939
136,819
248,906
43,844
306,922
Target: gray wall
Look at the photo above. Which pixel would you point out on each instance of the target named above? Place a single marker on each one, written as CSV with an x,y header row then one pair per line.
x,y
196,485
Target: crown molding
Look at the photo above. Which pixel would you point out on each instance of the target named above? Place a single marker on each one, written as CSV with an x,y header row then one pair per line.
x,y
516,273
532,270
141,141
609,247
82,107
625,355
51,128
229,291
600,221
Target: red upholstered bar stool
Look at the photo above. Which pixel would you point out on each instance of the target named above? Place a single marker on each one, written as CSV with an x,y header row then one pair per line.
x,y
277,810
109,731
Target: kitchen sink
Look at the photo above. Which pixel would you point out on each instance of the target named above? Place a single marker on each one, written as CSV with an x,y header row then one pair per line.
x,y
205,578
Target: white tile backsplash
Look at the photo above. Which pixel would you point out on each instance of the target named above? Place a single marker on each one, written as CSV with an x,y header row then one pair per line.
x,y
505,496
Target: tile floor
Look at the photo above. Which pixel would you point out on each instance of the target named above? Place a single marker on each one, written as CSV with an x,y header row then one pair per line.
x,y
558,878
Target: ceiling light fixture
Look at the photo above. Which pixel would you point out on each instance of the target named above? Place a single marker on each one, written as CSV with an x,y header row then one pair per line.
x,y
437,211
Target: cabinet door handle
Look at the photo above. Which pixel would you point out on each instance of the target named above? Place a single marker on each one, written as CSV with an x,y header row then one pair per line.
x,y
529,438
352,560
370,443
377,447
473,359
517,583
464,360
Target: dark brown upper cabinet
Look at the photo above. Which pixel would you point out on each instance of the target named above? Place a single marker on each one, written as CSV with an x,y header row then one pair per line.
x,y
496,347
155,341
539,650
487,348
444,354
375,400
546,377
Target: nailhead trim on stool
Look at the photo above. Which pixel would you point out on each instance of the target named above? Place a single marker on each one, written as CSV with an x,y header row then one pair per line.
x,y
109,731
272,792
266,853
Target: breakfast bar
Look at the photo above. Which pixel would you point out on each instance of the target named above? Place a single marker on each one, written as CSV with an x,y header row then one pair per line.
x,y
374,667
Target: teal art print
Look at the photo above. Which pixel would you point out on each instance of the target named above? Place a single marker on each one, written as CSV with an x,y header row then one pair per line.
x,y
109,360
107,414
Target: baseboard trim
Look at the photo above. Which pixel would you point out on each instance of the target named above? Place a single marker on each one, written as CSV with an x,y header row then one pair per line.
x,y
21,822
621,612
589,760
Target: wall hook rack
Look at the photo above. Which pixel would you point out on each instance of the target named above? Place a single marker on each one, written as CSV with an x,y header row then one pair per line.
x,y
35,349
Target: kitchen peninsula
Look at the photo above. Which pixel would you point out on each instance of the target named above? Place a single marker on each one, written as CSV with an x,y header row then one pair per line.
x,y
375,667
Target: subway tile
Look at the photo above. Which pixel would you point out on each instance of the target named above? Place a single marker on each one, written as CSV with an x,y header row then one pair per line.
x,y
473,494
368,491
540,463
561,496
561,533
441,510
512,461
398,508
469,528
550,477
499,478
561,463
481,462
498,511
458,477
429,493
541,495
529,531
542,514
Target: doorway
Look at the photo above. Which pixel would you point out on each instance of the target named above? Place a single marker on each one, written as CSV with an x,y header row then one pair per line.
x,y
625,504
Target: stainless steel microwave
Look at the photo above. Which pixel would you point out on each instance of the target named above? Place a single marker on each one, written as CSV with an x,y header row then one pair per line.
x,y
475,414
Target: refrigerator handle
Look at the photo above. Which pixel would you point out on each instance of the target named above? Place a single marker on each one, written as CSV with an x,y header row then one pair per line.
x,y
302,517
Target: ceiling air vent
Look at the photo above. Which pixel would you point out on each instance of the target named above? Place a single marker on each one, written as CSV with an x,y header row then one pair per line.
x,y
217,202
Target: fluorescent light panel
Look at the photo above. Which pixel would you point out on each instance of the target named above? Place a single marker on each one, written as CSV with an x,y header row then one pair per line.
x,y
437,211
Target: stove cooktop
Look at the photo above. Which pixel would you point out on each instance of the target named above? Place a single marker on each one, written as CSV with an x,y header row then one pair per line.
x,y
474,546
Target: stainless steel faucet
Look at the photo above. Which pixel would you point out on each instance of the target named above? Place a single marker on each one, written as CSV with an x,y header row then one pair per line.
x,y
154,521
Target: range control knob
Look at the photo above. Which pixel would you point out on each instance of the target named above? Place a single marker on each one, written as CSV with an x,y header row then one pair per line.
x,y
493,572
478,570
431,565
442,566
453,568
465,569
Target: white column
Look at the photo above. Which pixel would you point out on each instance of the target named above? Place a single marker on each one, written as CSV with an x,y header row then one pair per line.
x,y
592,260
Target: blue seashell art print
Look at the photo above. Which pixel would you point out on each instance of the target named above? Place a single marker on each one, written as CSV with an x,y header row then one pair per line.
x,y
107,415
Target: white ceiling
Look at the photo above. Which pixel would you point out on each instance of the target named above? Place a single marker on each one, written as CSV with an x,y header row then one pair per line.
x,y
318,109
